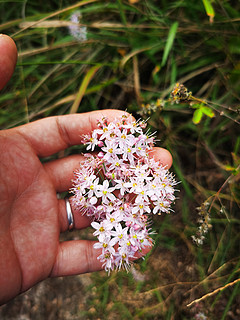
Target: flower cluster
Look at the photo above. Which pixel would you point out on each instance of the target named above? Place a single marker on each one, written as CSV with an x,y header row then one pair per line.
x,y
77,31
120,187
148,108
180,93
204,223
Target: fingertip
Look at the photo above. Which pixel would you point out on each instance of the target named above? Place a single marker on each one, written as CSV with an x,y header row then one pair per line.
x,y
163,156
8,59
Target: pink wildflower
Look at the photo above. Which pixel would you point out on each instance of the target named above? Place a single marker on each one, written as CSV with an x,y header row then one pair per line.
x,y
122,167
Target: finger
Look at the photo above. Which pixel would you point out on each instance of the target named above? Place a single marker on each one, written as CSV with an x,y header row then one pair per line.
x,y
61,171
162,155
8,59
76,257
79,256
53,134
80,220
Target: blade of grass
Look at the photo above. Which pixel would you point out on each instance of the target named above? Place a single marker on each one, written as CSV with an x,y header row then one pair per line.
x,y
169,44
184,183
135,52
90,74
122,14
209,9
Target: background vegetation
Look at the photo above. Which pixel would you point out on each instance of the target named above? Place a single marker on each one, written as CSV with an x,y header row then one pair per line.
x,y
131,57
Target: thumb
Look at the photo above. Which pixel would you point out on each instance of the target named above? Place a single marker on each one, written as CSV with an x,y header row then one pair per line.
x,y
8,59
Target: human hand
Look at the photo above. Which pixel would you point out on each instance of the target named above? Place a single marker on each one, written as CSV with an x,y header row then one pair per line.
x,y
31,216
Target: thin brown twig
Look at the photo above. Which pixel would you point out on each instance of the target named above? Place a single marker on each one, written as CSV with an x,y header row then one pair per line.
x,y
137,85
214,275
213,292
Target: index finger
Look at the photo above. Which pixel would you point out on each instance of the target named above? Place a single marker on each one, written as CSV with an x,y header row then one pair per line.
x,y
8,59
53,134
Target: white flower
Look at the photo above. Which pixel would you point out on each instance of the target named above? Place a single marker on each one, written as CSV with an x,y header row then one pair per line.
x,y
141,208
105,191
143,193
160,206
110,150
142,172
123,255
93,142
121,185
102,229
124,139
115,164
120,234
132,185
128,154
108,260
106,244
114,218
93,187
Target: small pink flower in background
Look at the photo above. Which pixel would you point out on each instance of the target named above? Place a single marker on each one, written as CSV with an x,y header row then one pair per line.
x,y
77,31
121,188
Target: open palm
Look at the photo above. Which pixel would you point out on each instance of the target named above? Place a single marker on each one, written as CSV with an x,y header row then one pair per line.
x,y
31,215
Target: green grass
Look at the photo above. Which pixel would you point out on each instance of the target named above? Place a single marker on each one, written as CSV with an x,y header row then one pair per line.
x,y
133,56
